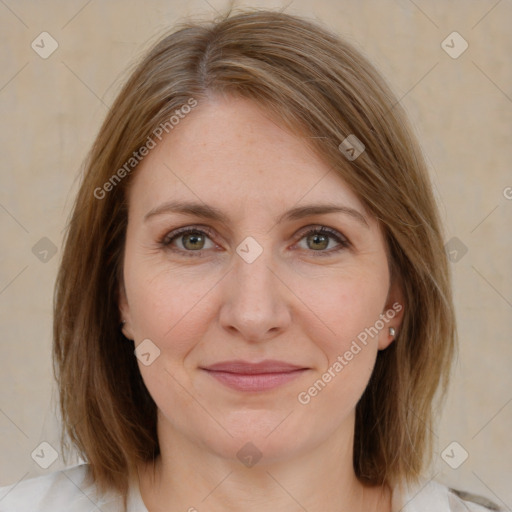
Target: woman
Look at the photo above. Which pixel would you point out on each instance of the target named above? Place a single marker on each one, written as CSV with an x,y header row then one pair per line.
x,y
253,307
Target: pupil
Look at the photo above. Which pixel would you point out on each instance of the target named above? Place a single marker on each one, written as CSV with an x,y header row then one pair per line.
x,y
321,239
191,240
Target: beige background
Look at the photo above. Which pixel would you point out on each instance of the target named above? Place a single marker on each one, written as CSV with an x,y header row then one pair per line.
x,y
461,109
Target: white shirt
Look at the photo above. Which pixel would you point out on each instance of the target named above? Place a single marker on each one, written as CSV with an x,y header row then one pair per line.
x,y
64,491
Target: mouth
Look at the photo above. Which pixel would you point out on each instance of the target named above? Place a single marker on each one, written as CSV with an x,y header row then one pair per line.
x,y
254,377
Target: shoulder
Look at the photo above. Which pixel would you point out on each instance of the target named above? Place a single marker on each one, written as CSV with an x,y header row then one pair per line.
x,y
426,496
60,491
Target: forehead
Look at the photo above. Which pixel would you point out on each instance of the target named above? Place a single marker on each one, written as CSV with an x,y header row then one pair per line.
x,y
230,150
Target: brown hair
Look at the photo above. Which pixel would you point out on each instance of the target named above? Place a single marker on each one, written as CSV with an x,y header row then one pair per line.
x,y
314,82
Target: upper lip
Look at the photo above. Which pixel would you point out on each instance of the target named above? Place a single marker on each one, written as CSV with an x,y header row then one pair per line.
x,y
245,367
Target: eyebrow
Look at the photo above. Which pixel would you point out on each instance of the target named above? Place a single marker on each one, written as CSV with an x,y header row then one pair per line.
x,y
210,212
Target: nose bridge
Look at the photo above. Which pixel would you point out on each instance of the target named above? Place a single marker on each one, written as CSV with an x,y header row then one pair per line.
x,y
254,276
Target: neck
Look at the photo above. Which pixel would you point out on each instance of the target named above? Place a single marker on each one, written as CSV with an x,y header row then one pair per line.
x,y
187,476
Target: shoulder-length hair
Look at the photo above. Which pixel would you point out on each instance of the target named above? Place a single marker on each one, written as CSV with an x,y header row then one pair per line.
x,y
315,83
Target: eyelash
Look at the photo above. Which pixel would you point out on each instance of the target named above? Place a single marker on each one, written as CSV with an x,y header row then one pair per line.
x,y
166,241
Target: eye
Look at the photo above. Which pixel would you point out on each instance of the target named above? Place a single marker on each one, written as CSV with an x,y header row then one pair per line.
x,y
193,240
320,240
189,239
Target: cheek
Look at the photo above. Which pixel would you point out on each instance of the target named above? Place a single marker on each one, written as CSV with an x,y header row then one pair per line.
x,y
350,309
345,308
171,308
173,313
343,326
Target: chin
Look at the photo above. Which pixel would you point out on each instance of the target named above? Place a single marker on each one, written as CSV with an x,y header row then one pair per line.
x,y
262,437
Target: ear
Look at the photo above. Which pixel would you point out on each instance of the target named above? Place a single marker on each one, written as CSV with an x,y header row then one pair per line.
x,y
392,315
124,312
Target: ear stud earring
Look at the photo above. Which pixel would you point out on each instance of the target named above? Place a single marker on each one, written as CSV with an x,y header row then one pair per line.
x,y
392,331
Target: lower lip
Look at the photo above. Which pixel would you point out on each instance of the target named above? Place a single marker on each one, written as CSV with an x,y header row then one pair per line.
x,y
255,382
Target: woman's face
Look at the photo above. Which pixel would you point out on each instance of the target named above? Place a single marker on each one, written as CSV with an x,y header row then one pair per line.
x,y
221,267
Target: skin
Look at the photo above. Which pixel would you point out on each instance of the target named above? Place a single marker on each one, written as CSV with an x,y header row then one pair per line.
x,y
300,301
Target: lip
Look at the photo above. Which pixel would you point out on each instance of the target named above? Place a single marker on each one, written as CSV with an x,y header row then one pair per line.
x,y
245,376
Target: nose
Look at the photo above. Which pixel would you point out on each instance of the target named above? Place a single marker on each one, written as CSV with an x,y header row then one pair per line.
x,y
256,303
